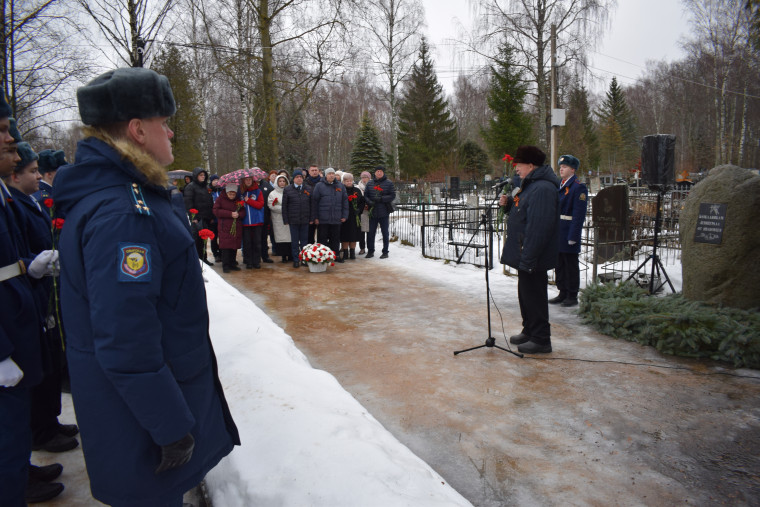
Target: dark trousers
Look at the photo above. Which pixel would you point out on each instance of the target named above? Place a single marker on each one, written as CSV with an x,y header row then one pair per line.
x,y
252,245
199,244
329,235
15,445
362,240
46,396
568,274
312,233
265,235
299,238
228,257
534,305
373,230
214,227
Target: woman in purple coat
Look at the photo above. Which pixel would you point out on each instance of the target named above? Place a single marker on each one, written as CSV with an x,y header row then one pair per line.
x,y
230,211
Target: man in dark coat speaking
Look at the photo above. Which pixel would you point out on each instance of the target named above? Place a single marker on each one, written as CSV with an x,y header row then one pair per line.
x,y
148,400
531,245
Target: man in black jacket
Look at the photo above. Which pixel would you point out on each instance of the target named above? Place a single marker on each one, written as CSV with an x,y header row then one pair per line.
x,y
296,213
531,245
198,197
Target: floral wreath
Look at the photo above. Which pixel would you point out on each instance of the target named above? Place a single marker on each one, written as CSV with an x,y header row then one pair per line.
x,y
317,253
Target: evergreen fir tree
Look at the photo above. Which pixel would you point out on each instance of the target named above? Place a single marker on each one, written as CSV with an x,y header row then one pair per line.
x,y
511,125
368,150
427,132
618,142
186,122
294,142
579,137
473,159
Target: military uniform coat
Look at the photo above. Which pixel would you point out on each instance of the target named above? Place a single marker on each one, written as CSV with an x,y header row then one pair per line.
x,y
143,370
573,201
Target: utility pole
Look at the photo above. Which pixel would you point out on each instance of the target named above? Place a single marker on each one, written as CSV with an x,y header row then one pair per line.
x,y
553,84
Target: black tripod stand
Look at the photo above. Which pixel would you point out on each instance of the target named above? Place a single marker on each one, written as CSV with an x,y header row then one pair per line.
x,y
656,263
485,220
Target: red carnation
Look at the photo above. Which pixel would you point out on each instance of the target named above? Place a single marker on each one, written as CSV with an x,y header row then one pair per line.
x,y
205,234
58,223
193,211
48,202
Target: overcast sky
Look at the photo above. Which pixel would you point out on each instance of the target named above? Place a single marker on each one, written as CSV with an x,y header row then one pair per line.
x,y
641,30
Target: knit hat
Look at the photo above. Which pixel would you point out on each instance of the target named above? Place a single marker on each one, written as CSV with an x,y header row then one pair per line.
x,y
230,187
569,161
51,160
27,155
329,170
365,173
298,172
123,94
5,109
529,155
380,168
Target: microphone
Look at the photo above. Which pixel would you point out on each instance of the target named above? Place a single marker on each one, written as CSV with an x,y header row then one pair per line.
x,y
502,184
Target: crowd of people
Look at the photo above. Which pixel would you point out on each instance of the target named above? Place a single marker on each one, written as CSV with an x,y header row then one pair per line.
x,y
122,274
284,212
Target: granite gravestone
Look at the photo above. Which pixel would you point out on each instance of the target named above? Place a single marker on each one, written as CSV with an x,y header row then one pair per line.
x,y
719,239
609,212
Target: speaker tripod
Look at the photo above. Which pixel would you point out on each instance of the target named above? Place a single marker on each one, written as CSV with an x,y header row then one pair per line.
x,y
485,221
656,262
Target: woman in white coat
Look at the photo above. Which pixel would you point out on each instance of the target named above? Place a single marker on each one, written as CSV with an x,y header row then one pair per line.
x,y
281,231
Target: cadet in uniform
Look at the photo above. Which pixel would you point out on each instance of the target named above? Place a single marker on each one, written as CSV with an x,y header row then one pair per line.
x,y
573,201
150,407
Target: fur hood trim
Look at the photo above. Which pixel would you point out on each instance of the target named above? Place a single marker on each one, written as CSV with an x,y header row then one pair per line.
x,y
143,162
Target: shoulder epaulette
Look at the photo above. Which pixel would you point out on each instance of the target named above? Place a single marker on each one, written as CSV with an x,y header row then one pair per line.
x,y
138,200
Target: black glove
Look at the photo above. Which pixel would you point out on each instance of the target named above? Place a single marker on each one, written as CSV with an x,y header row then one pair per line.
x,y
176,454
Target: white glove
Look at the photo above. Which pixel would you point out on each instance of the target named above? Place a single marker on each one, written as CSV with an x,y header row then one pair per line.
x,y
10,373
45,264
571,242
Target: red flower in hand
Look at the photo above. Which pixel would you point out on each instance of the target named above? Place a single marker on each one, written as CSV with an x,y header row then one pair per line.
x,y
205,234
193,211
58,223
48,202
276,200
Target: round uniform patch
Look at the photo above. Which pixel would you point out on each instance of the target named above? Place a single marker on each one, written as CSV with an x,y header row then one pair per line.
x,y
582,197
134,262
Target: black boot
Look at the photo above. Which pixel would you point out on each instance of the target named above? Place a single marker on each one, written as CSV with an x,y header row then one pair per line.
x,y
557,300
345,254
37,491
352,254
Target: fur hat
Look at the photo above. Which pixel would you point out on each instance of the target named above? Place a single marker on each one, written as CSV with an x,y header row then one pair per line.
x,y
569,161
51,160
27,155
123,94
298,172
5,109
13,130
529,155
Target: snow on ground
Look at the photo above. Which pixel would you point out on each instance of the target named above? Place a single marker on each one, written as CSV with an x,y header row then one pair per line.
x,y
305,440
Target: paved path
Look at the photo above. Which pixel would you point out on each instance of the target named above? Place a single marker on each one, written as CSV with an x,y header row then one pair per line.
x,y
509,431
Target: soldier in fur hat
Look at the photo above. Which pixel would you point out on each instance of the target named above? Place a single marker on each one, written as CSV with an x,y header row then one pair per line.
x,y
151,410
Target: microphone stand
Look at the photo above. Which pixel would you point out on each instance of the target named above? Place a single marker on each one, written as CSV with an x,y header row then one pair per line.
x,y
485,220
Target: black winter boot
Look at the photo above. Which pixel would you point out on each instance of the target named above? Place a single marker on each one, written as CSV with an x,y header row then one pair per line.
x,y
352,254
345,254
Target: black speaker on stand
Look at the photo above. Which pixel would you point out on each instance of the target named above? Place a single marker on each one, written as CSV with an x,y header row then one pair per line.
x,y
658,172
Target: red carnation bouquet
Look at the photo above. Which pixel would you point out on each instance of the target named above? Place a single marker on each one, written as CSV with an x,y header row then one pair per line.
x,y
233,229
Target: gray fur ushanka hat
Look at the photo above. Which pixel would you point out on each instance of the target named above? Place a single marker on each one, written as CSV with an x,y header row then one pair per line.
x,y
123,94
51,160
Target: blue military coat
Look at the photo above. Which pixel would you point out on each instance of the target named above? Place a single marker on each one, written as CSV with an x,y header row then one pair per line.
x,y
143,371
20,325
573,201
